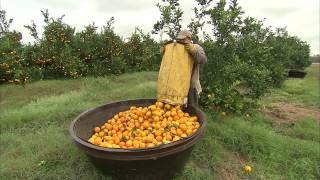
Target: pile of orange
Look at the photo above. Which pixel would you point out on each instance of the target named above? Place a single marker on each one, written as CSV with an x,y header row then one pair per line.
x,y
145,127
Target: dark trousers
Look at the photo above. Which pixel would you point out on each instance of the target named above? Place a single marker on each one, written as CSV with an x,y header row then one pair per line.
x,y
193,97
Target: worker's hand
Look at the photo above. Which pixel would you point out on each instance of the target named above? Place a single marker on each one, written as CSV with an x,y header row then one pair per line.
x,y
162,50
190,48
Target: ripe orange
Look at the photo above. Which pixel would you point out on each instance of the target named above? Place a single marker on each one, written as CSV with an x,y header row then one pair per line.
x,y
176,118
163,124
96,129
173,113
136,145
180,114
168,137
137,124
101,133
159,138
97,140
153,107
131,125
160,104
109,126
179,132
116,140
115,127
150,145
183,127
183,135
113,121
182,120
129,143
189,123
140,119
150,139
158,125
167,106
142,145
145,124
176,138
247,169
189,131
149,113
156,118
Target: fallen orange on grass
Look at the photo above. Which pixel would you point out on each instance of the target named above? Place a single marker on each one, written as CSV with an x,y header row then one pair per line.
x,y
247,169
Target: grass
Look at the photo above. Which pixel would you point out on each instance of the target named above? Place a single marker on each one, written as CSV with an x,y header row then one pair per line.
x,y
35,143
301,91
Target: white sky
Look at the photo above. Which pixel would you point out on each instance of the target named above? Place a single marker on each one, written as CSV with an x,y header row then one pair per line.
x,y
301,17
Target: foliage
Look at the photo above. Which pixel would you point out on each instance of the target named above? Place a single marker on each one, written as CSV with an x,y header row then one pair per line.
x,y
4,23
171,16
196,24
99,52
63,53
142,52
245,58
11,62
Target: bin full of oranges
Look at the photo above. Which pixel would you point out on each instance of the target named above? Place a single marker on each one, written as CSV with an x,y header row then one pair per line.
x,y
137,138
145,127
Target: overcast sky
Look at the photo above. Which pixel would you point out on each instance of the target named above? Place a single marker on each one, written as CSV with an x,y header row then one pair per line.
x,y
301,17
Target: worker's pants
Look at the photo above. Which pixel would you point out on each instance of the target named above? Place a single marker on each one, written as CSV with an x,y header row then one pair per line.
x,y
193,97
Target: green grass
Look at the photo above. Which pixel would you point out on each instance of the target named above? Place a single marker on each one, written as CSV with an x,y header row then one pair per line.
x,y
301,91
35,143
306,128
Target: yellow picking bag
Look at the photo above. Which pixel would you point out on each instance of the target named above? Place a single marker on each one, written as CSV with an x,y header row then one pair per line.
x,y
174,74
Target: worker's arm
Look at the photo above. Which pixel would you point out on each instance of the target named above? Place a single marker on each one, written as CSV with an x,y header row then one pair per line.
x,y
197,53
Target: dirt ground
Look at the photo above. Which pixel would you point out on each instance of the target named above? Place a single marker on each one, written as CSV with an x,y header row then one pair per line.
x,y
285,113
232,164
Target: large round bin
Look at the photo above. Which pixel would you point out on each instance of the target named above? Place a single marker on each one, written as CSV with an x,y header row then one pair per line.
x,y
162,162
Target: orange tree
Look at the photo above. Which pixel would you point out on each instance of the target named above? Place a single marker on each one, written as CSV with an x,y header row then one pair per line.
x,y
293,52
100,52
52,55
141,52
246,59
241,65
171,16
11,62
63,53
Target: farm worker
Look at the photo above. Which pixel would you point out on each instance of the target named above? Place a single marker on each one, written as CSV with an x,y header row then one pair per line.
x,y
178,80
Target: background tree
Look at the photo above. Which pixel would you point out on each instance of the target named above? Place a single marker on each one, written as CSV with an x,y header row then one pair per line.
x,y
171,16
196,24
4,23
